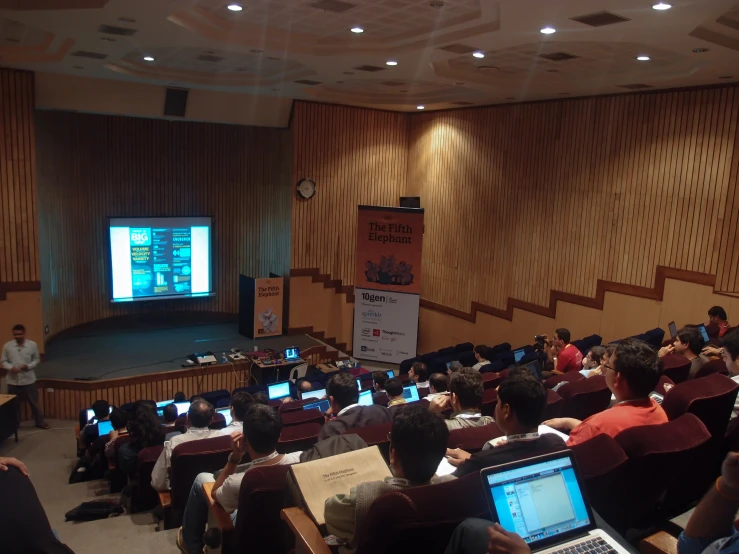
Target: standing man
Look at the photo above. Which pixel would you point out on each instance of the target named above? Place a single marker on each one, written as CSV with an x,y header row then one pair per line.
x,y
20,357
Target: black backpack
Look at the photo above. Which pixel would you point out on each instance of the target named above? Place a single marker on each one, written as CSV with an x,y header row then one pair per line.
x,y
90,511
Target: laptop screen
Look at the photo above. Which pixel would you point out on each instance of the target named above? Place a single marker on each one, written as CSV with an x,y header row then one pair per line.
x,y
317,394
322,405
673,329
390,374
182,407
91,414
365,398
279,390
539,501
534,367
410,393
226,414
292,353
704,333
164,403
518,354
104,427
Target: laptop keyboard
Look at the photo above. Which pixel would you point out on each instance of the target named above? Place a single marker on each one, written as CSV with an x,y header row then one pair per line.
x,y
596,546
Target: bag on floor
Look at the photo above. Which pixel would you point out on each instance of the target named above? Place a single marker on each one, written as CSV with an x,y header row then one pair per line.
x,y
90,511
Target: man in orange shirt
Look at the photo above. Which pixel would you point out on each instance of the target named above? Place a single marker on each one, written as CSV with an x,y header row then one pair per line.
x,y
563,355
631,373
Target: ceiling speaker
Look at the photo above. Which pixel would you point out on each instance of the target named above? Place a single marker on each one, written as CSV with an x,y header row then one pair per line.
x,y
175,102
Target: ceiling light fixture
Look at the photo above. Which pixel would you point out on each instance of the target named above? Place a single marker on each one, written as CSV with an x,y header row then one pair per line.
x,y
391,62
235,7
256,51
436,4
420,107
548,30
700,50
126,20
357,30
478,55
662,6
148,59
643,58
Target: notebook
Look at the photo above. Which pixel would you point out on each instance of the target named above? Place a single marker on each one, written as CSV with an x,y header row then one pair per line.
x,y
541,499
317,394
278,390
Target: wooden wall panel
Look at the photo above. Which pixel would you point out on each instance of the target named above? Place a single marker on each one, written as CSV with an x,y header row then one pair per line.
x,y
93,166
356,156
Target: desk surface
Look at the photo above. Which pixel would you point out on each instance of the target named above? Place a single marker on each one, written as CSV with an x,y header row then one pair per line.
x,y
6,398
282,363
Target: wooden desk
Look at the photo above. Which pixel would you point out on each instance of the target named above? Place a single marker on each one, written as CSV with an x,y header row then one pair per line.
x,y
9,410
327,368
283,367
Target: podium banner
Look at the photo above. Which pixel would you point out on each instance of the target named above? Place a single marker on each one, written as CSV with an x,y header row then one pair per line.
x,y
387,283
268,307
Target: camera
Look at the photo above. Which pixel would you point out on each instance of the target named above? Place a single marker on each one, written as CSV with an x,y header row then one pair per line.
x,y
540,339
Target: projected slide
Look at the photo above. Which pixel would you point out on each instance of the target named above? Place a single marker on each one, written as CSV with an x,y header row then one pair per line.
x,y
156,258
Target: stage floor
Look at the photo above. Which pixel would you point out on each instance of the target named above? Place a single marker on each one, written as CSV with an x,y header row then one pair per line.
x,y
110,353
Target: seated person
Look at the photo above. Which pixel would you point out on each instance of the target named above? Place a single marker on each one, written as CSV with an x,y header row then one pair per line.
x,y
482,355
169,415
730,353
631,374
119,420
343,395
394,391
717,325
454,367
417,444
591,362
145,431
261,398
465,399
241,401
101,409
710,528
480,536
262,427
419,374
438,386
561,354
303,386
522,399
379,378
198,417
689,344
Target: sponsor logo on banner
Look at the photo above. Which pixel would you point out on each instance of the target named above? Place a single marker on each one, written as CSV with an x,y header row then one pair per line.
x,y
375,332
398,333
401,353
366,332
366,349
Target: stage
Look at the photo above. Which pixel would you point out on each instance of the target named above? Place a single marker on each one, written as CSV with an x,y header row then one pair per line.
x,y
108,352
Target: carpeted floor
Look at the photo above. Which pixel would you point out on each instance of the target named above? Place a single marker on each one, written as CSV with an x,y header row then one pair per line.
x,y
50,457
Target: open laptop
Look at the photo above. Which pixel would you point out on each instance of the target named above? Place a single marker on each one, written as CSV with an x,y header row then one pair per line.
x,y
704,333
292,353
673,329
322,405
410,393
164,403
542,500
277,391
91,414
104,427
390,374
518,354
182,407
365,398
534,367
317,394
226,412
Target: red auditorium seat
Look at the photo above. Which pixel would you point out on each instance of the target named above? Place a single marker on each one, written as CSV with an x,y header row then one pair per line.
x,y
375,435
294,406
144,497
585,397
490,380
710,367
664,385
302,416
298,437
554,405
676,367
489,400
217,422
570,377
472,439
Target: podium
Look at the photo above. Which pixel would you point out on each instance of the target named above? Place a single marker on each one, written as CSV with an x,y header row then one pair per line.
x,y
260,306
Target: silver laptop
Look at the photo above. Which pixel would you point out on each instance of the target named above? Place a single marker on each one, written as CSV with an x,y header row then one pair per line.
x,y
542,500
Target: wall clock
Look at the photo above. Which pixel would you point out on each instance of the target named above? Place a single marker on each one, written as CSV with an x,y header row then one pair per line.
x,y
306,188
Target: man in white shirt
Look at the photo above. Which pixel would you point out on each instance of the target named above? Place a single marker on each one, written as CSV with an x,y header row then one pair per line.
x,y
465,400
20,357
262,427
419,374
240,403
730,353
198,417
482,353
438,386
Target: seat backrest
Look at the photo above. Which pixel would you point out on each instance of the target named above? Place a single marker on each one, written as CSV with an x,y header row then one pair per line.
x,y
214,396
144,496
467,358
464,347
710,398
489,400
712,366
554,406
570,377
372,434
585,397
258,527
664,385
298,372
655,336
218,421
490,380
420,519
298,437
581,345
449,350
302,416
593,340
676,367
294,406
194,457
473,439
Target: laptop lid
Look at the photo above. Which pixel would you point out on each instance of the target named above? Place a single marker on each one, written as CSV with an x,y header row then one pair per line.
x,y
322,405
278,390
317,394
518,354
104,427
365,398
292,353
410,393
673,329
540,498
91,414
390,374
182,407
704,333
164,403
226,414
534,367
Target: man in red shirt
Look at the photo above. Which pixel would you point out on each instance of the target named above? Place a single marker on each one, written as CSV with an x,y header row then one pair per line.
x,y
717,324
563,355
631,374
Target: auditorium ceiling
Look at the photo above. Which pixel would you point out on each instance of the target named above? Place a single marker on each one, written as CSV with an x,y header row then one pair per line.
x,y
448,53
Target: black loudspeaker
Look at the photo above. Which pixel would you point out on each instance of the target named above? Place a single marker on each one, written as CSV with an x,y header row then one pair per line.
x,y
175,102
410,201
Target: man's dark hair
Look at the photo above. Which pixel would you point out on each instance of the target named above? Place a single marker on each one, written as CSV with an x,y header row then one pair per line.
x,y
169,413
638,364
19,327
262,427
526,396
730,342
419,439
200,413
439,381
145,428
180,397
455,366
380,378
563,334
597,353
692,337
393,387
343,387
101,409
118,418
485,352
717,311
466,385
420,369
261,398
241,402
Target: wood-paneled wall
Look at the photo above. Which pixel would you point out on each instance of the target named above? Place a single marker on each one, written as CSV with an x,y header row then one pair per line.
x,y
356,156
19,261
92,167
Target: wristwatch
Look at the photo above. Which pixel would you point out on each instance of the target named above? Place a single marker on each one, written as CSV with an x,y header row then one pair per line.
x,y
231,460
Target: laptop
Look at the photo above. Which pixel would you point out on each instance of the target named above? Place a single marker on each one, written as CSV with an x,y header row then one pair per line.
x,y
542,500
226,414
292,353
518,354
91,414
410,393
365,398
673,329
390,374
182,407
534,367
317,394
104,427
164,403
704,333
277,391
322,405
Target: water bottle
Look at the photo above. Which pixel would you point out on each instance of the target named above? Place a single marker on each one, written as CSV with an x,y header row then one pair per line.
x,y
224,359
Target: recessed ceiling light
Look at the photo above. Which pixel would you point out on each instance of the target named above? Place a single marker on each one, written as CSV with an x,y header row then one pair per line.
x,y
348,73
548,30
357,30
643,58
126,20
107,39
478,54
148,59
256,51
661,6
700,50
273,58
235,7
420,107
391,62
436,4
